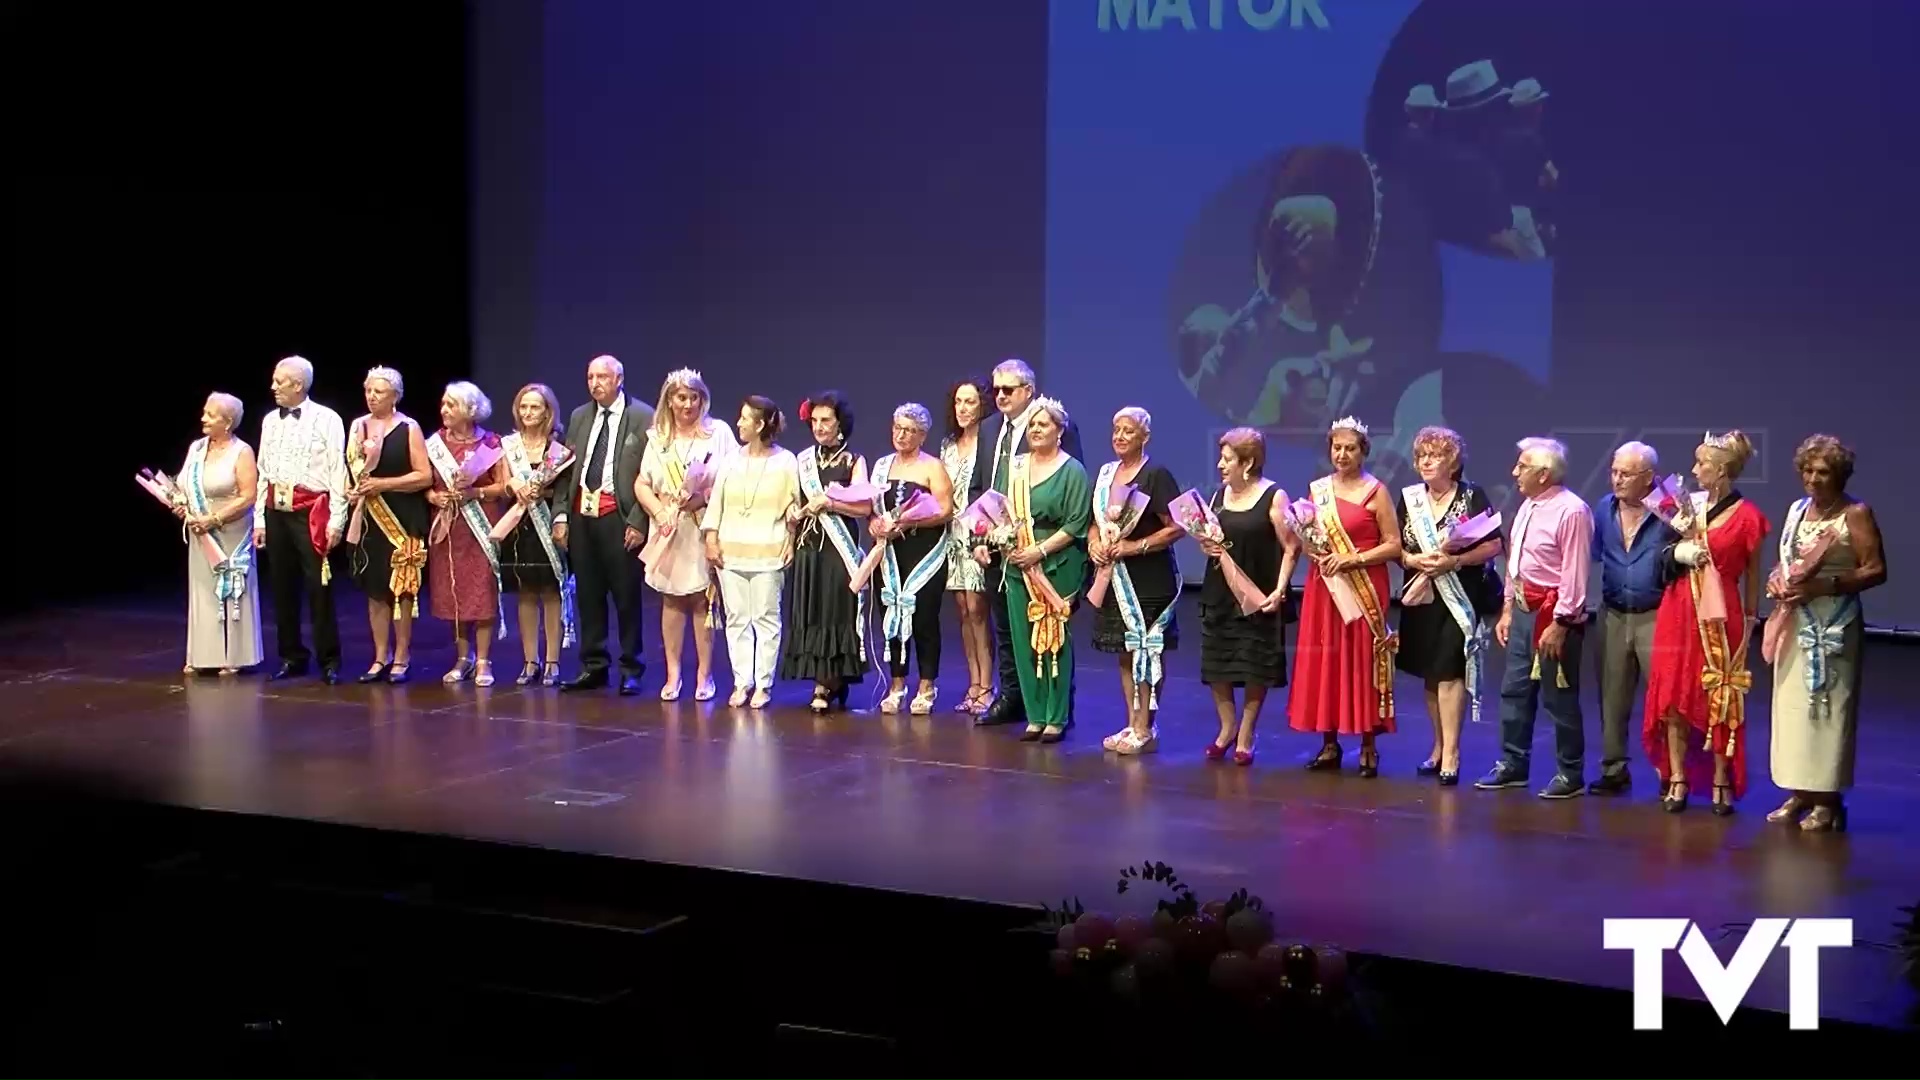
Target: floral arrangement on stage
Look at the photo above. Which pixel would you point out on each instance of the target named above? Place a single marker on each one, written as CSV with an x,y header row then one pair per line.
x,y
1196,517
1126,506
1209,958
1304,519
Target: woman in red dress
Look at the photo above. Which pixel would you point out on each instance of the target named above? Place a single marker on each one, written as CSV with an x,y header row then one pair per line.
x,y
1343,672
1695,710
464,576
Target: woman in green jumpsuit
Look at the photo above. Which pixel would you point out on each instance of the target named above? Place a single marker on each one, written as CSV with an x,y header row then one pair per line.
x,y
1052,504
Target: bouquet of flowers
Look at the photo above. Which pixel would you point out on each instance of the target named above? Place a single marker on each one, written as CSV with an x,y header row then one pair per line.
x,y
1304,519
1784,576
989,523
695,486
1453,541
1686,512
363,452
1126,506
559,456
168,492
476,466
1192,514
919,508
852,493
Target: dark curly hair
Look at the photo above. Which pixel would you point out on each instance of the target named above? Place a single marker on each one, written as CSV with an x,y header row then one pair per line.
x,y
835,400
953,416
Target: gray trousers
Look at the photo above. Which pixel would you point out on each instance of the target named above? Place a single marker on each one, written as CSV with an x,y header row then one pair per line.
x,y
1626,657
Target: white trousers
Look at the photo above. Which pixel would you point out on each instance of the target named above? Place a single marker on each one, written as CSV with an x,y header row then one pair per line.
x,y
752,602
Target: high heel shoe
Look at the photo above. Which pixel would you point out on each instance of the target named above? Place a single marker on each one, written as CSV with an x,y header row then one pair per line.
x,y
1242,757
1825,819
1216,752
1722,809
375,673
398,674
1672,803
1369,763
1329,757
1429,767
550,674
529,671
1789,810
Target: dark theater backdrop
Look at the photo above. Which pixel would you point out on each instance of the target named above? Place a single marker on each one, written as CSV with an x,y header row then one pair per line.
x,y
883,196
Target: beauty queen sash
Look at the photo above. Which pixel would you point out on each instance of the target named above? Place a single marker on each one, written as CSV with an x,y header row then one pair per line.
x,y
1385,642
900,597
1724,674
1821,620
230,573
523,469
1047,610
1146,644
443,463
839,536
1452,592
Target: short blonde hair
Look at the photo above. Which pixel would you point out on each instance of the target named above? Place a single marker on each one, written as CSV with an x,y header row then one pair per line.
x,y
229,407
546,397
470,401
683,379
1734,455
1444,439
1249,446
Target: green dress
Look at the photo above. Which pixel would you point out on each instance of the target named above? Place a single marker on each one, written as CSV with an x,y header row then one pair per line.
x,y
1061,502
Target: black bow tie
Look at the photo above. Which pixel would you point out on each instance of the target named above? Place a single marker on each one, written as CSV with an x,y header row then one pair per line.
x,y
293,412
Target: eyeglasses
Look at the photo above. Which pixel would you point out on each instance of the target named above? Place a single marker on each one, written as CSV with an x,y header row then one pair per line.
x,y
1014,389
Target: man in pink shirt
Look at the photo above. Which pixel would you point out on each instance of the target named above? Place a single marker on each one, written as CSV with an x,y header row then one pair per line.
x,y
1544,622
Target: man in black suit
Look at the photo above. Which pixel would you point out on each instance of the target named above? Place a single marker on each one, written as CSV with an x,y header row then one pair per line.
x,y
1013,394
598,520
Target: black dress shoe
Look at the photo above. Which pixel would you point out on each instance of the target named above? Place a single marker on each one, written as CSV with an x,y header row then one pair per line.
x,y
586,680
630,686
288,671
1004,710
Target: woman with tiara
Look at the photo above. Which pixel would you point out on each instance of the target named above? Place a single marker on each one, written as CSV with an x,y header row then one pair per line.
x,y
684,435
387,461
826,630
1051,502
1343,671
1695,690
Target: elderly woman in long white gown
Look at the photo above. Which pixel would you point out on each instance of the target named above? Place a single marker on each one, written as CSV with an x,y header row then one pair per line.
x,y
223,594
684,433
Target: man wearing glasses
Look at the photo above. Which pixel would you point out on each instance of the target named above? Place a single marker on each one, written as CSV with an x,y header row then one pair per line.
x,y
1628,541
1013,394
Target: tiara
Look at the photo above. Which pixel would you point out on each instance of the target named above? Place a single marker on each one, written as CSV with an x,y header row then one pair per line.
x,y
1718,442
686,376
1348,423
1052,405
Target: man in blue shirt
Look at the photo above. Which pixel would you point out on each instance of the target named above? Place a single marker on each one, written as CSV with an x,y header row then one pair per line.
x,y
1629,542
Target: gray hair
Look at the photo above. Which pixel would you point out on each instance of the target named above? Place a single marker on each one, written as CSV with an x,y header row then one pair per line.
x,y
1138,415
1640,450
390,377
300,366
1553,450
914,413
229,407
1018,369
619,369
470,400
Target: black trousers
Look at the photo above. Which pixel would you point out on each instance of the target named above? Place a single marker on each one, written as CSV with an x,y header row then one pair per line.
x,y
603,567
293,567
926,631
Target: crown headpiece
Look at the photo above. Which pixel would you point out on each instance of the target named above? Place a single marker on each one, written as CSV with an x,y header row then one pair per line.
x,y
1053,408
1348,423
685,376
1717,442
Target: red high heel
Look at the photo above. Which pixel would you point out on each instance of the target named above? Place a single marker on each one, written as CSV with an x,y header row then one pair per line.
x,y
1243,757
1215,751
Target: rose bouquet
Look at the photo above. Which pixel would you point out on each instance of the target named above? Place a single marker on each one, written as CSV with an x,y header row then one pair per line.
x,y
363,453
168,492
1126,506
1304,519
1453,541
471,470
559,456
1686,512
695,486
1192,514
921,507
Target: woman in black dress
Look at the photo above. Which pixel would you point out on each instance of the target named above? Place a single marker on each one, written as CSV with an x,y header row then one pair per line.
x,y
825,636
1438,636
531,564
1146,581
387,462
1245,651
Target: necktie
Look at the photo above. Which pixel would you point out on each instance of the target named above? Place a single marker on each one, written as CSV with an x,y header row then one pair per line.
x,y
1003,456
597,457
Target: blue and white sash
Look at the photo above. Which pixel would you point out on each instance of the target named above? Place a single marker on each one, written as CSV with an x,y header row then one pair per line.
x,y
901,597
838,535
470,512
1821,620
1452,592
231,572
1146,644
525,469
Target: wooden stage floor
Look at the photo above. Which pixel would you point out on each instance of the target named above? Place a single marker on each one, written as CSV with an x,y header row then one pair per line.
x,y
1395,865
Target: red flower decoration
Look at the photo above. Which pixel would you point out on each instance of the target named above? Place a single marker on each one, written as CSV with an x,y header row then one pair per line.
x,y
806,409
979,527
